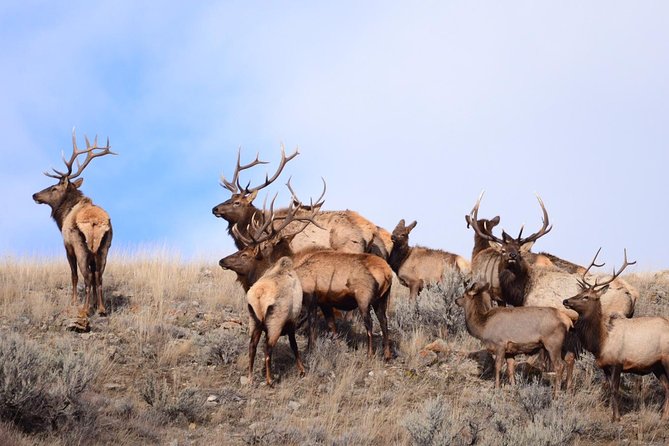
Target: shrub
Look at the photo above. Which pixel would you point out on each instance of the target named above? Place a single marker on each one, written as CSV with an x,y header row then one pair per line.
x,y
187,404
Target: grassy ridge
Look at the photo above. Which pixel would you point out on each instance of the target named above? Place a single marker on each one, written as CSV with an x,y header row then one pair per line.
x,y
165,368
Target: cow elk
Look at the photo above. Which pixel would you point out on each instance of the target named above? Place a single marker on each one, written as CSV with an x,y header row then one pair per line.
x,y
330,279
507,332
639,345
417,266
522,283
86,228
345,231
274,304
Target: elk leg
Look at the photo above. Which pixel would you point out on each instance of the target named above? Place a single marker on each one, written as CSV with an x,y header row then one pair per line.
x,y
367,319
256,331
499,361
414,290
100,263
614,384
511,369
380,310
570,359
296,352
270,341
72,260
558,366
663,375
310,301
328,314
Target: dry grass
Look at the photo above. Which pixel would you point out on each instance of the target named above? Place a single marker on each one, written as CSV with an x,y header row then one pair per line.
x,y
165,368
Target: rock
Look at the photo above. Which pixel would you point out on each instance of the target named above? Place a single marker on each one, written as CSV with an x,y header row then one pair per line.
x,y
438,346
244,380
294,405
114,386
212,399
78,324
192,426
427,358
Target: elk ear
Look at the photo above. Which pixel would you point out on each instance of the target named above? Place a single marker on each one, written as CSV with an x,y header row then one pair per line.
x,y
496,246
252,196
485,287
401,223
525,247
468,219
460,301
601,291
411,226
77,183
494,221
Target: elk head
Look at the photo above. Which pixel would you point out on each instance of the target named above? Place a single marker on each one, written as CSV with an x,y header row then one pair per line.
x,y
239,207
56,194
472,291
590,293
511,249
400,235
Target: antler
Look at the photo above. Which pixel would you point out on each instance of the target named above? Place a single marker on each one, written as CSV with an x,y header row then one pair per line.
x,y
296,201
587,285
90,154
474,222
545,229
234,186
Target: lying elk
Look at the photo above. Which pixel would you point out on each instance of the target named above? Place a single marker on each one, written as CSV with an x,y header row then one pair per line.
x,y
416,266
330,279
86,228
639,345
507,332
524,284
274,304
344,231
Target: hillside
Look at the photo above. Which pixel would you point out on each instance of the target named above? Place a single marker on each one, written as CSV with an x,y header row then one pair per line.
x,y
167,366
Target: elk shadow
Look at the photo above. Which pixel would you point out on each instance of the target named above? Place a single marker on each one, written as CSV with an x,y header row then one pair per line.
x,y
116,299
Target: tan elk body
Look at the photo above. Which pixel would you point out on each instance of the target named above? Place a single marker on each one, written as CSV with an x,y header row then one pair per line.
x,y
345,231
638,345
417,266
507,332
86,228
526,279
274,304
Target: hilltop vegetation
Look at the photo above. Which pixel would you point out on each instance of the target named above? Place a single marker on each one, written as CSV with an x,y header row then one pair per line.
x,y
167,367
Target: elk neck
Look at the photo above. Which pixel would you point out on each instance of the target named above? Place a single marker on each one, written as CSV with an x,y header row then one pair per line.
x,y
476,315
72,197
513,280
590,329
398,255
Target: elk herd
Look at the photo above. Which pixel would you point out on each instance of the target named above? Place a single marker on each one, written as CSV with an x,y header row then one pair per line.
x,y
297,259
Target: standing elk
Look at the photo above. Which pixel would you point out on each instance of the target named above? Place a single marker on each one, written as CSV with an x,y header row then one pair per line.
x,y
86,228
523,284
639,345
417,266
507,332
345,231
274,304
330,279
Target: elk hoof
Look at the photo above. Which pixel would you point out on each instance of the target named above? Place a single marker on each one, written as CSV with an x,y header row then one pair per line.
x,y
102,313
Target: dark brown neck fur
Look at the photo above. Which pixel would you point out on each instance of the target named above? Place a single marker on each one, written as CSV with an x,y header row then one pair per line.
x,y
398,256
513,282
590,330
70,200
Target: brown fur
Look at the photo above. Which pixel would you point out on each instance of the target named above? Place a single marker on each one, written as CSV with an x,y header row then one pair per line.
x,y
274,303
87,234
506,332
638,345
417,266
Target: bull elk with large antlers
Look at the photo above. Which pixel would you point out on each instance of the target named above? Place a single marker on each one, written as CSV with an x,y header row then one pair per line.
x,y
86,228
330,279
638,345
523,283
345,231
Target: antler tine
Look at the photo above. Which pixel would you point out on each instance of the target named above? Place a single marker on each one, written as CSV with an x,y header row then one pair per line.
x,y
615,274
473,221
545,229
282,164
241,237
585,284
234,186
312,205
90,154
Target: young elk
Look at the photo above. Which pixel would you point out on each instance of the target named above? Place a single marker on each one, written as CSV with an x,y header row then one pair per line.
x,y
330,279
639,345
507,332
524,283
344,231
274,304
86,228
416,266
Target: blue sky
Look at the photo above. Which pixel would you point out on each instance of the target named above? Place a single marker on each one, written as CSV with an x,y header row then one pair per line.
x,y
407,110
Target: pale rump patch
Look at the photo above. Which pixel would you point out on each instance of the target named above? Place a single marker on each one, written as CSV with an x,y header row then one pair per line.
x,y
93,222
